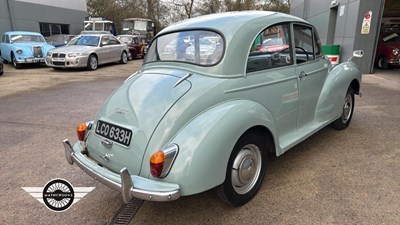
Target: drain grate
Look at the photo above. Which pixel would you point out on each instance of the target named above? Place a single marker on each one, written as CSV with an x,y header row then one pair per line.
x,y
126,213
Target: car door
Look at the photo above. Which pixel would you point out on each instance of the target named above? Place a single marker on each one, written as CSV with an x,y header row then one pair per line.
x,y
272,70
5,48
116,49
105,53
311,70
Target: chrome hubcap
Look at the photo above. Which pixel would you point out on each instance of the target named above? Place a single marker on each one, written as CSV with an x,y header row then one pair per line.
x,y
93,63
124,58
347,108
246,169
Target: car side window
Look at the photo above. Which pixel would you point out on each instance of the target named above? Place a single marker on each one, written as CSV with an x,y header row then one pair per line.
x,y
3,38
114,41
305,45
271,48
105,41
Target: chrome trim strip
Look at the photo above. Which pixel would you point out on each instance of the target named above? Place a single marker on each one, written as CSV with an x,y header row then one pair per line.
x,y
260,85
182,79
126,184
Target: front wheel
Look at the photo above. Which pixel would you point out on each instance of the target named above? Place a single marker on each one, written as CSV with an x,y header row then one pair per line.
x,y
124,58
15,63
348,106
245,171
383,63
92,62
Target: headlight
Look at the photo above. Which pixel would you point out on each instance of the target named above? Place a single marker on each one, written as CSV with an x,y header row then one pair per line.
x,y
72,55
19,51
48,53
395,51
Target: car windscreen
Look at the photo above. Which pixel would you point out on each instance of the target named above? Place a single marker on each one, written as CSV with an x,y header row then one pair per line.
x,y
85,40
18,38
201,47
125,39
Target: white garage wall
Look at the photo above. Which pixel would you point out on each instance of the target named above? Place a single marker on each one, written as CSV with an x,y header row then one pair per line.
x,y
67,4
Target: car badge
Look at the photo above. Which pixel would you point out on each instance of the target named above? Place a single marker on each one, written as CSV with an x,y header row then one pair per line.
x,y
107,143
121,111
107,156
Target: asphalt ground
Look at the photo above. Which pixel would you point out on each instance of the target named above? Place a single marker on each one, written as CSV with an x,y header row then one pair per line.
x,y
334,177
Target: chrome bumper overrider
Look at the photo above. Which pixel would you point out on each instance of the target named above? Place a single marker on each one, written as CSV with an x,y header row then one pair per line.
x,y
129,185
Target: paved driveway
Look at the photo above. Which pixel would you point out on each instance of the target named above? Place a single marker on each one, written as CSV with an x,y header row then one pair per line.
x,y
334,177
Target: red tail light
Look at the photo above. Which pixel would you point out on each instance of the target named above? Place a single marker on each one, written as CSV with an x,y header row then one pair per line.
x,y
157,163
162,161
81,131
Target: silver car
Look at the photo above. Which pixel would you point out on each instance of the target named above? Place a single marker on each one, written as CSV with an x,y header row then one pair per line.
x,y
88,50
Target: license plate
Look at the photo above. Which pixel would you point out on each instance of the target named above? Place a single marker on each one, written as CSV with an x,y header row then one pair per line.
x,y
58,60
113,132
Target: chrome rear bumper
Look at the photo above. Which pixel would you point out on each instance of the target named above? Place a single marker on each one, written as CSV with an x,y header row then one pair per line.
x,y
129,185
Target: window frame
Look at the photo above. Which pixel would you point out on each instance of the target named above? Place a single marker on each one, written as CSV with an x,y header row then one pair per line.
x,y
315,43
290,49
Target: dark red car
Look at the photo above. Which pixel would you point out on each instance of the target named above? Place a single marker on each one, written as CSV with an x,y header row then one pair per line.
x,y
388,51
136,44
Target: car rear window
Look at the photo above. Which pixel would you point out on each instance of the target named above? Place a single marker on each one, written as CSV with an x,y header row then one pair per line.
x,y
200,47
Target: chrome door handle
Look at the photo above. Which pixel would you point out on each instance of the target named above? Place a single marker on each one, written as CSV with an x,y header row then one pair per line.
x,y
302,75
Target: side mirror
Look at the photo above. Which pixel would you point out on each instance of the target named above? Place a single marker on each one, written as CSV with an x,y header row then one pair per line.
x,y
358,53
104,43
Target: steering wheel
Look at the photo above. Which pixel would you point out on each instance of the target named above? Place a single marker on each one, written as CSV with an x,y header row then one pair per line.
x,y
302,49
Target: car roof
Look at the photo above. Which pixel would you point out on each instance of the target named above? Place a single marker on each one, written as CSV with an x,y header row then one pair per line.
x,y
22,32
130,35
232,22
239,29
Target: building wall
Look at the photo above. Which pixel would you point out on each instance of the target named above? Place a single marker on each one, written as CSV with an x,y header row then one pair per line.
x,y
345,26
27,14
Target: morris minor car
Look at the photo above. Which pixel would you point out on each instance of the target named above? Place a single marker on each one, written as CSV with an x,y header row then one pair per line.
x,y
21,47
196,118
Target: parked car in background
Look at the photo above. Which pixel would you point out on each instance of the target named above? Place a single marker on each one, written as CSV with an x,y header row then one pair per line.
x,y
1,66
59,40
182,125
136,44
388,50
88,50
273,44
21,47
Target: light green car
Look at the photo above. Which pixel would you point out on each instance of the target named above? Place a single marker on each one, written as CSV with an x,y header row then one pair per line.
x,y
211,100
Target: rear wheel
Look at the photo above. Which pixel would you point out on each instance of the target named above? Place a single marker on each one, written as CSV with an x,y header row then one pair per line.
x,y
92,62
348,106
246,169
15,63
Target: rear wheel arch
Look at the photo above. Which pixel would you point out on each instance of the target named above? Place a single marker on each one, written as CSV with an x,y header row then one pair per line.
x,y
246,166
215,142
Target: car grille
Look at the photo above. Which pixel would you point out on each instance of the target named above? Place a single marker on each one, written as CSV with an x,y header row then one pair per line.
x,y
58,55
59,63
37,51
